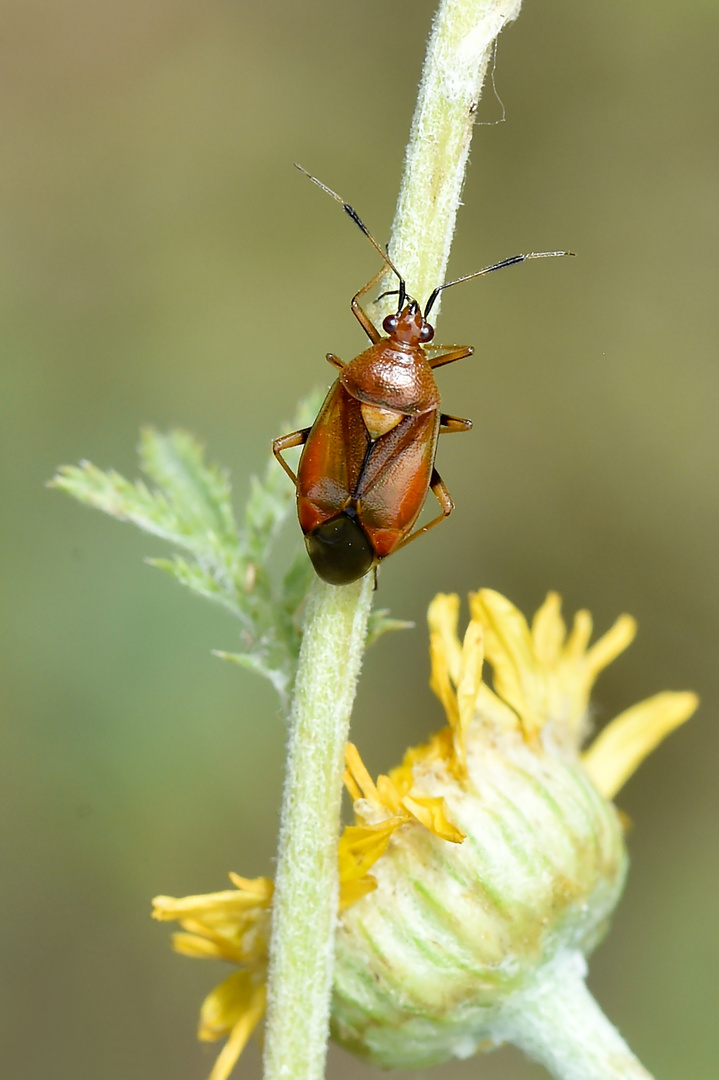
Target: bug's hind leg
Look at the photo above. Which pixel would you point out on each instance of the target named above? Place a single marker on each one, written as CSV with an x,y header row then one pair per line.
x,y
444,499
286,442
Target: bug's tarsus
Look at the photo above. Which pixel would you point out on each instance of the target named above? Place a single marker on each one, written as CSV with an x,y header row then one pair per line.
x,y
387,292
489,269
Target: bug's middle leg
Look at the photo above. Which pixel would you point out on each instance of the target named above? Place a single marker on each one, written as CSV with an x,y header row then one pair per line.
x,y
286,442
449,424
443,497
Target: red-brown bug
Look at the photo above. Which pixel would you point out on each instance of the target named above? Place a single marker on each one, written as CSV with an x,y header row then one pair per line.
x,y
368,459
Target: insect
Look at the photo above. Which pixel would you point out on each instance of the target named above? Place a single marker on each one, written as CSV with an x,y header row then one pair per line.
x,y
367,462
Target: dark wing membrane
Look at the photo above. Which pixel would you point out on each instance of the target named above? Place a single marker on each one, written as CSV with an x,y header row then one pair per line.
x,y
395,480
332,458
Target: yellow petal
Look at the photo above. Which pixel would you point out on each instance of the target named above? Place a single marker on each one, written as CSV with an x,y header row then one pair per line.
x,y
349,782
443,616
361,846
492,710
352,891
611,644
167,908
359,774
228,902
389,796
198,947
468,685
239,1035
439,747
230,942
579,636
623,745
227,1004
440,681
518,677
402,776
260,887
432,813
548,630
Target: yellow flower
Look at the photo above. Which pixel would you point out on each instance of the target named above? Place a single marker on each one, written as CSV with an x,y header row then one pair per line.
x,y
232,925
493,848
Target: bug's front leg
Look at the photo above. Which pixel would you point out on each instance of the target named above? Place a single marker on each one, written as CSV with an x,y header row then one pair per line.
x,y
454,352
286,442
361,315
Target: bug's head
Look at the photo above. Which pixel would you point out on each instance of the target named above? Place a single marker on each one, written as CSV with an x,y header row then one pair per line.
x,y
408,326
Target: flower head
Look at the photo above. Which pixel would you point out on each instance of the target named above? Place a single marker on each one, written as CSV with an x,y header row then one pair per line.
x,y
490,852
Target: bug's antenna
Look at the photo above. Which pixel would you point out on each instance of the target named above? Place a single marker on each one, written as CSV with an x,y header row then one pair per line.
x,y
351,212
488,270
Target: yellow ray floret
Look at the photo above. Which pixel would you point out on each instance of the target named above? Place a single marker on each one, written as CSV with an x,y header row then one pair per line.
x,y
231,925
456,676
622,746
232,1010
394,801
544,673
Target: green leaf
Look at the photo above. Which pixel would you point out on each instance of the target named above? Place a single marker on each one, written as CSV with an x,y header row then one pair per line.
x,y
199,580
188,503
200,494
190,507
380,623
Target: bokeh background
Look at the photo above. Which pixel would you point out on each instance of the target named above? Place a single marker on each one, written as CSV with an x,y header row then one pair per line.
x,y
162,262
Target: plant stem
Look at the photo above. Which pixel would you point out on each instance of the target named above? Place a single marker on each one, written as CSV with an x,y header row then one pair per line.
x,y
458,53
557,1022
305,903
304,908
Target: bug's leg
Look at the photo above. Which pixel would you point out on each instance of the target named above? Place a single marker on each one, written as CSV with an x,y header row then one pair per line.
x,y
456,352
449,424
334,360
286,442
444,499
360,315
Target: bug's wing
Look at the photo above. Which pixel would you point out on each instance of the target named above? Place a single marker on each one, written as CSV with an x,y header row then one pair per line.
x,y
331,462
395,480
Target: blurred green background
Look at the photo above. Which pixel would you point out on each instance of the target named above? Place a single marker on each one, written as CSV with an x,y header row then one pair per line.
x,y
162,262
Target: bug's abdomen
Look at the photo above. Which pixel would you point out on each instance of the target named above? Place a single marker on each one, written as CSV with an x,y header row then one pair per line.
x,y
340,549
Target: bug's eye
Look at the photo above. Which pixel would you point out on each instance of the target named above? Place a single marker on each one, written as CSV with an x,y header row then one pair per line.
x,y
426,333
389,324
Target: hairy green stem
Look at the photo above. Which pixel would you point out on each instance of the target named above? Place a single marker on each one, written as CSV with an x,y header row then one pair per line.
x,y
557,1022
458,54
305,904
304,908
